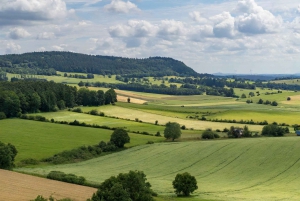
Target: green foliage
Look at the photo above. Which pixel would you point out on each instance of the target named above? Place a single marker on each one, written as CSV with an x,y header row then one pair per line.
x,y
48,62
288,98
185,184
172,131
8,153
209,135
69,178
243,96
110,96
41,198
273,130
74,155
119,137
2,115
130,186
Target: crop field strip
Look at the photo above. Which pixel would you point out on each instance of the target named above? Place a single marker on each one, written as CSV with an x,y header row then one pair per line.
x,y
250,169
20,187
38,140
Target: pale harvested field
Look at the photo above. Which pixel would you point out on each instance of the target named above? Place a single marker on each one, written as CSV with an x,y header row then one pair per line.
x,y
18,187
132,100
295,100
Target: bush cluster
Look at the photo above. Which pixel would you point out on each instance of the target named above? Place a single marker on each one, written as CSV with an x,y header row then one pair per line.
x,y
69,156
69,178
208,134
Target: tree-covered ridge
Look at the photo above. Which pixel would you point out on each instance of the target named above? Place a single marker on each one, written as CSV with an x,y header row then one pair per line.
x,y
75,62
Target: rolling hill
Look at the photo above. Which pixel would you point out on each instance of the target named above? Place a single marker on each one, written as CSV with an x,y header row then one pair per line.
x,y
81,63
243,169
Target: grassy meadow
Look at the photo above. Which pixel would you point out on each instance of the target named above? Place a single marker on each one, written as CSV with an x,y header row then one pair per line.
x,y
39,140
237,169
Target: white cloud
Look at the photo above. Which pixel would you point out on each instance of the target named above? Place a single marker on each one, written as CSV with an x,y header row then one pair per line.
x,y
199,33
45,36
12,48
18,33
171,29
41,49
224,25
58,47
134,28
12,11
255,19
196,16
119,6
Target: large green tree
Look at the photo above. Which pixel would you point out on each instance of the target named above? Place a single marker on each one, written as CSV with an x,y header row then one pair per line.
x,y
132,186
8,153
185,184
110,96
120,137
172,131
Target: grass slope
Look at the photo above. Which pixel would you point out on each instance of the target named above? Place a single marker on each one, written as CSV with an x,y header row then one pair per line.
x,y
245,169
38,140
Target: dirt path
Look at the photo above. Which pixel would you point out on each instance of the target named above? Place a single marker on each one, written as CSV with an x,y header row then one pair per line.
x,y
18,187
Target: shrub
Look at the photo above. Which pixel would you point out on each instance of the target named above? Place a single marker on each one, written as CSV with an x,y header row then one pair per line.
x,y
156,122
2,115
150,142
69,178
183,127
94,112
288,98
158,134
77,110
273,130
208,135
101,114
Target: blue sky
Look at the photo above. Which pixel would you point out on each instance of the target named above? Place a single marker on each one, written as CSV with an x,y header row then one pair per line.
x,y
229,36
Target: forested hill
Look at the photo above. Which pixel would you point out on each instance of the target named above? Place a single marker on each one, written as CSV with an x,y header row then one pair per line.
x,y
74,62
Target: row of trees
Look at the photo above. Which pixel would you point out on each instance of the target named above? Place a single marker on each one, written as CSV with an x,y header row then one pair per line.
x,y
34,96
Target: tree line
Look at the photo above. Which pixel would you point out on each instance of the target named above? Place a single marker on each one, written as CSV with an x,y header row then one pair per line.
x,y
42,96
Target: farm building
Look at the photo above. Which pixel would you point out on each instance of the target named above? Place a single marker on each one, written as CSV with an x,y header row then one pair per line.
x,y
298,133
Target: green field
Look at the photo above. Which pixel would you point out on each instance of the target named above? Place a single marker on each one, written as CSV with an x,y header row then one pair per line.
x,y
292,81
72,81
39,140
238,169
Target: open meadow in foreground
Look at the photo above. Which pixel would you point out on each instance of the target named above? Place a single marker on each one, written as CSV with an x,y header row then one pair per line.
x,y
237,169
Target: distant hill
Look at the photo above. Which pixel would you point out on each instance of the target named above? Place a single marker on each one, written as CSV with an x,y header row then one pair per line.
x,y
254,77
75,62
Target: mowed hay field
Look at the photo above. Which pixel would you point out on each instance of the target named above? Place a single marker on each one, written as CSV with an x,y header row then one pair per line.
x,y
130,113
20,187
238,169
38,140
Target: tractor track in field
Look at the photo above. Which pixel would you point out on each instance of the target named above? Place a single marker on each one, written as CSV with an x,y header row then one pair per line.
x,y
145,159
259,183
226,165
191,165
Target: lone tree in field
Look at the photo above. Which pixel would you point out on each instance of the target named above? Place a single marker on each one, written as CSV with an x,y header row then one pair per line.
x,y
172,131
119,137
130,186
185,184
7,156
